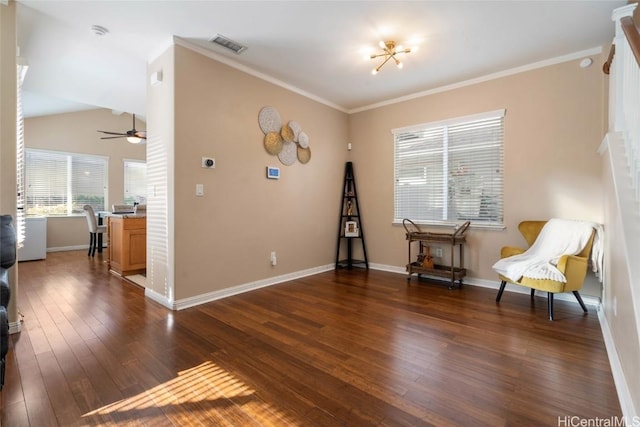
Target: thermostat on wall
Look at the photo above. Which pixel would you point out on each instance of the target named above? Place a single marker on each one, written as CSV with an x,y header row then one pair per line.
x,y
273,173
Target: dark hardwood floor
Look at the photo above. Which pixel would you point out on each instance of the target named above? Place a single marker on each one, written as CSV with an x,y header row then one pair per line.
x,y
345,348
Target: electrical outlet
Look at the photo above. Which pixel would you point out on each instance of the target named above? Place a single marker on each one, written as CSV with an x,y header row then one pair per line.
x,y
274,259
437,252
208,162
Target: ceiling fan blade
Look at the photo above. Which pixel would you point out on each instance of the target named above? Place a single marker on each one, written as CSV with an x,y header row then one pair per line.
x,y
133,133
113,133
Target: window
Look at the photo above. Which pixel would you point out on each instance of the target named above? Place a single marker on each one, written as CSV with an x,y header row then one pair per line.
x,y
135,182
60,183
451,171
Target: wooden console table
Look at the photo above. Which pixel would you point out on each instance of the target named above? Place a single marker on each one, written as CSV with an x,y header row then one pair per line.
x,y
424,239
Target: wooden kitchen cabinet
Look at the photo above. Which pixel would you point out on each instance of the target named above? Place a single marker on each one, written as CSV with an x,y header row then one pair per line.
x,y
127,244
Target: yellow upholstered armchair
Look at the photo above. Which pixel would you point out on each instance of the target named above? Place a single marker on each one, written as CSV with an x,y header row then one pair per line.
x,y
573,267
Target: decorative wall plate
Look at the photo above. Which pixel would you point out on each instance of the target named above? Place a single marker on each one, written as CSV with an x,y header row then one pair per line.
x,y
296,128
289,153
304,155
269,120
287,133
273,143
303,140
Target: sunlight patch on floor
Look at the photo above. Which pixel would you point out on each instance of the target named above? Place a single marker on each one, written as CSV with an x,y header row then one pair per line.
x,y
205,392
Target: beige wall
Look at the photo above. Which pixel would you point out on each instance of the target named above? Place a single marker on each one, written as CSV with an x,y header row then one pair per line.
x,y
225,238
553,127
8,102
77,133
8,111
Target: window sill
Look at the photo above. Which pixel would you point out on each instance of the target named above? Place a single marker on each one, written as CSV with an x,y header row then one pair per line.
x,y
450,225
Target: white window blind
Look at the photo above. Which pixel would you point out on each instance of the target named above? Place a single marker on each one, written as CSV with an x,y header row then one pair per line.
x,y
135,182
62,183
451,171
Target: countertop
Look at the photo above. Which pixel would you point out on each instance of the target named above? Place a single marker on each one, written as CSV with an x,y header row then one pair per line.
x,y
128,215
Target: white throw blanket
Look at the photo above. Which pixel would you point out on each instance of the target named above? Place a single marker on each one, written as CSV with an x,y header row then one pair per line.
x,y
558,237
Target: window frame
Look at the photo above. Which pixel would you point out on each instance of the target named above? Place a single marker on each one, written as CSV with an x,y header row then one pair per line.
x,y
124,180
69,182
444,196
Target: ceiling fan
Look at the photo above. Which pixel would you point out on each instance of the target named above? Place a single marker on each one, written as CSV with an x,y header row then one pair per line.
x,y
133,136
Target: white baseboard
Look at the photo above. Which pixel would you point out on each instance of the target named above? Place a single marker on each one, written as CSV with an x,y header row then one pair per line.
x,y
624,394
223,293
71,248
246,287
495,284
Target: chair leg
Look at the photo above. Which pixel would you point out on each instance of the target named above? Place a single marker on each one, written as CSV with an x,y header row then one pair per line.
x,y
550,303
579,298
502,286
95,244
533,293
90,243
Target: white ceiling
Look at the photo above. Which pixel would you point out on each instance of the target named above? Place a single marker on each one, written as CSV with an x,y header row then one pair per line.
x,y
316,47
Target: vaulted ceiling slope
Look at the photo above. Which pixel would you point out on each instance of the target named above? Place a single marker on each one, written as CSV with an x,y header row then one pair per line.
x,y
316,47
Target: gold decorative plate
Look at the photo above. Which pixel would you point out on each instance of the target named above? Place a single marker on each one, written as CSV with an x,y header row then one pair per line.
x,y
287,133
304,155
269,120
273,143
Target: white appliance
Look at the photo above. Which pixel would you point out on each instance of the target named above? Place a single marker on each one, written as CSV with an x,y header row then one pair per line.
x,y
35,241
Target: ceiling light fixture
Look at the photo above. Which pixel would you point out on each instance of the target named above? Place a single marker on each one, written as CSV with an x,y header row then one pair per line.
x,y
390,50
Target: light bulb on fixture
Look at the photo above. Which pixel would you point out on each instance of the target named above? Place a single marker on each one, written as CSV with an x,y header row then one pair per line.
x,y
134,139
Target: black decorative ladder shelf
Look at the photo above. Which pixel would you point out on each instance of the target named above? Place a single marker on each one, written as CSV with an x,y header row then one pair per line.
x,y
350,224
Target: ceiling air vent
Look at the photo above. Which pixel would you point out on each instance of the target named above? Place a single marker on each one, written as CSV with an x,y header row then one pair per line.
x,y
227,43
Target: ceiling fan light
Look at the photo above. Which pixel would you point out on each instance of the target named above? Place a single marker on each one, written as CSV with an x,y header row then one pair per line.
x,y
134,139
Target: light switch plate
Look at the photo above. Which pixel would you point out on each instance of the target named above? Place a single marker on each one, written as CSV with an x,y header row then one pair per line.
x,y
199,190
